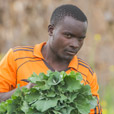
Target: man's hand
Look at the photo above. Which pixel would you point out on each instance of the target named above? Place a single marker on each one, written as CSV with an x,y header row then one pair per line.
x,y
29,85
6,95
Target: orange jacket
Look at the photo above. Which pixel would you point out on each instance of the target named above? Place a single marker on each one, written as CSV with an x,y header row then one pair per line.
x,y
20,62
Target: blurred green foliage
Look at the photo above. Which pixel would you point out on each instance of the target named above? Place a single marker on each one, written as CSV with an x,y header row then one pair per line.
x,y
107,101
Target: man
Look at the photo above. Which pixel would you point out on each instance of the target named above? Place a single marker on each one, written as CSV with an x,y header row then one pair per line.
x,y
67,30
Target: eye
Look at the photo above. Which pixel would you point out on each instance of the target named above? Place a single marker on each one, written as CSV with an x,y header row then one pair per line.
x,y
81,38
68,35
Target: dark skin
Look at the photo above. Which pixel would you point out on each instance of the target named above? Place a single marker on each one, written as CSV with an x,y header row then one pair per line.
x,y
66,39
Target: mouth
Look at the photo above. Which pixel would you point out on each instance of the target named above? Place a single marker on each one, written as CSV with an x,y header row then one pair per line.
x,y
72,53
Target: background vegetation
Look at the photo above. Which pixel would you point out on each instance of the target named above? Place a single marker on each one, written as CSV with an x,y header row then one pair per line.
x,y
24,22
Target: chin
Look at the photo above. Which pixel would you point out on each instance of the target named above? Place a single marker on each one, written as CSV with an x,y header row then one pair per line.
x,y
65,57
68,58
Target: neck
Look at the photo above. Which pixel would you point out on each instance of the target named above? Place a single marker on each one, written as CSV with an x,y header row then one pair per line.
x,y
54,61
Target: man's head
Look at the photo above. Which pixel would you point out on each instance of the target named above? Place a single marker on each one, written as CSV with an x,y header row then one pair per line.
x,y
67,31
67,10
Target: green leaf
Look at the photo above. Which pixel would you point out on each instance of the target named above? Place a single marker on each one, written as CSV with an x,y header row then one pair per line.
x,y
54,78
67,110
86,90
25,107
93,102
63,97
32,111
42,76
37,78
3,107
14,105
17,93
71,84
63,74
33,78
56,112
83,105
78,76
72,74
72,96
43,105
50,94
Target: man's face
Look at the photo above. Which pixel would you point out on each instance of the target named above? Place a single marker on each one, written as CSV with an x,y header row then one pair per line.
x,y
67,37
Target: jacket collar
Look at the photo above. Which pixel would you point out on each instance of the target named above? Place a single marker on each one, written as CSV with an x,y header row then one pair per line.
x,y
74,63
37,52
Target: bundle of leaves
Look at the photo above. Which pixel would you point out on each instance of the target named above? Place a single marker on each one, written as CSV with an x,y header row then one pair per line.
x,y
54,93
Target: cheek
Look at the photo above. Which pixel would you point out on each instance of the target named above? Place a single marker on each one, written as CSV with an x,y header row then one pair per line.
x,y
81,43
59,41
56,44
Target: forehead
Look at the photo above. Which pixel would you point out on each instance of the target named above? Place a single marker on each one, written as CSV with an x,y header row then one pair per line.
x,y
73,25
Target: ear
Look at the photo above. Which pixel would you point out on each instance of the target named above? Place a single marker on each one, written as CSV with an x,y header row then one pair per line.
x,y
50,30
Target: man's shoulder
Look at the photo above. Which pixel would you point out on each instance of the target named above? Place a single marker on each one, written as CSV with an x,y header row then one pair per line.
x,y
82,61
83,66
22,51
22,48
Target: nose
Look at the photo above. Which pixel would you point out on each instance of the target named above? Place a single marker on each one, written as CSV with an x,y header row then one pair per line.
x,y
75,43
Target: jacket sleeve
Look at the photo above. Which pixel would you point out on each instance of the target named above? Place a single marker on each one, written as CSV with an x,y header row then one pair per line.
x,y
92,79
7,72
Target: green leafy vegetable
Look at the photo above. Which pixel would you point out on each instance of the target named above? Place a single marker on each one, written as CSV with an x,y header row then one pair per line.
x,y
54,93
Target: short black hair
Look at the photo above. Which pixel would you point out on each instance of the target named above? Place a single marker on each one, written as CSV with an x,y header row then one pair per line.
x,y
67,10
